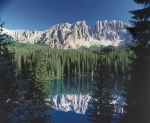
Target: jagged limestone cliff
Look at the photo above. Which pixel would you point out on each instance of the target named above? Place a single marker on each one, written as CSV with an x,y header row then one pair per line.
x,y
77,34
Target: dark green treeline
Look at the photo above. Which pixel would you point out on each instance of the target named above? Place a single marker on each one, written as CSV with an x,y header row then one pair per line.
x,y
116,60
69,62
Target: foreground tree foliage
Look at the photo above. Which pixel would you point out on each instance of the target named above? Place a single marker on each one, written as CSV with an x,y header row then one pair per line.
x,y
34,103
101,99
138,87
8,81
24,93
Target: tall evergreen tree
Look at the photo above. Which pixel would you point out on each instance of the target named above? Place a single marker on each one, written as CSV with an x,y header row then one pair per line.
x,y
8,83
35,104
102,109
138,87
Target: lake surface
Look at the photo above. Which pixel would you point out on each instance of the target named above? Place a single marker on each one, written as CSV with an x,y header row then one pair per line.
x,y
72,94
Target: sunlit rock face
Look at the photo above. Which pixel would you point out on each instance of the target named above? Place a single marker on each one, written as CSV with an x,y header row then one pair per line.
x,y
79,103
113,32
77,34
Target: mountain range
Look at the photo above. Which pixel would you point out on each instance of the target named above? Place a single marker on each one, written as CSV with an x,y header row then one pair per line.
x,y
73,36
78,103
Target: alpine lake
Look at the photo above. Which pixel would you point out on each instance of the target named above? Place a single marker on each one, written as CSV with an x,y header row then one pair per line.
x,y
72,94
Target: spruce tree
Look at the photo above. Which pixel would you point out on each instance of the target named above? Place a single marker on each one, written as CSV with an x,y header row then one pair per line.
x,y
35,105
102,109
138,86
8,83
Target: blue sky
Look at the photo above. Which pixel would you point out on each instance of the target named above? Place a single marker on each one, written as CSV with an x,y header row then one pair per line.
x,y
43,14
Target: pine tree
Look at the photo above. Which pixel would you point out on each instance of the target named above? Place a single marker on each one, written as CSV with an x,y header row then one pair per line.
x,y
102,109
35,106
8,83
138,86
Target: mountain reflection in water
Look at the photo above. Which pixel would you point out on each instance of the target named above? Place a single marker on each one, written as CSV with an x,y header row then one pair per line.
x,y
72,94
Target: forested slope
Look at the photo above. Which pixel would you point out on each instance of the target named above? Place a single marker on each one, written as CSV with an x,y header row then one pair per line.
x,y
69,62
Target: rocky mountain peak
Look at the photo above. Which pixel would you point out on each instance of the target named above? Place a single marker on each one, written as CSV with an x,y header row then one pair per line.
x,y
78,34
81,23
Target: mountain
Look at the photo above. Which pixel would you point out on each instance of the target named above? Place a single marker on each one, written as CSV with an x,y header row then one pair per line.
x,y
76,35
71,102
78,103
